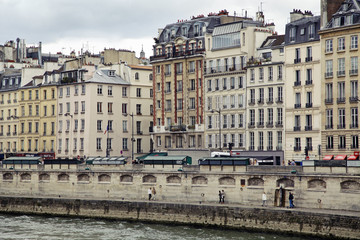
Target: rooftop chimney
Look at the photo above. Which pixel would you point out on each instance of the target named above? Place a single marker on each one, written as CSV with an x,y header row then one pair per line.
x,y
296,14
328,8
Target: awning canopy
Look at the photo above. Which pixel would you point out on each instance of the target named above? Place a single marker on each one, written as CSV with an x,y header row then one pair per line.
x,y
340,157
328,157
353,157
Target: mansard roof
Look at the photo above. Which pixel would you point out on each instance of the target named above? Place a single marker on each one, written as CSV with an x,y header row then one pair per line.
x,y
107,77
348,14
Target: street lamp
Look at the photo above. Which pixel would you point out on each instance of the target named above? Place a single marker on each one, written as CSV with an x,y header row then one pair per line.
x,y
132,134
218,111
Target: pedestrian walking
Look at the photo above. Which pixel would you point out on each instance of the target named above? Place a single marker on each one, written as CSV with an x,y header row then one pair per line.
x,y
150,193
291,200
222,196
153,192
264,199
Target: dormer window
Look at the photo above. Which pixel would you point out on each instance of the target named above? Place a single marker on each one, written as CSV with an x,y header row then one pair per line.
x,y
111,73
184,31
311,31
349,19
196,30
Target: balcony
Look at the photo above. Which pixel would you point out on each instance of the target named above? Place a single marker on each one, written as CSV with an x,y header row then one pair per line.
x,y
269,148
328,74
297,148
308,128
8,134
177,128
251,125
342,146
297,60
353,99
354,125
354,146
139,132
330,126
251,148
232,125
328,100
297,83
308,82
260,124
279,124
260,101
241,125
297,128
216,88
309,105
151,129
223,68
178,54
341,126
269,124
260,148
241,105
341,73
279,100
278,148
297,105
210,126
270,101
353,72
209,89
224,125
308,59
341,100
252,102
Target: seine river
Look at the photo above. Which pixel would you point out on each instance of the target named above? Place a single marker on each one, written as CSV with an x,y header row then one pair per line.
x,y
36,227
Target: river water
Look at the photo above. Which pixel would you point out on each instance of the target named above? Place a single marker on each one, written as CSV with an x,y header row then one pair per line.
x,y
39,227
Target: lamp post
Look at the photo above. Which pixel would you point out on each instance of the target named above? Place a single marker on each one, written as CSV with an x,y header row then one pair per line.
x,y
132,136
71,116
218,111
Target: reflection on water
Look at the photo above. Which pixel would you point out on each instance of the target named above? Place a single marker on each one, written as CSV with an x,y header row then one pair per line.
x,y
38,227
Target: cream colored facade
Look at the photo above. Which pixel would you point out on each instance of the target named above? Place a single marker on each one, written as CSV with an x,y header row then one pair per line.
x,y
225,84
340,93
303,101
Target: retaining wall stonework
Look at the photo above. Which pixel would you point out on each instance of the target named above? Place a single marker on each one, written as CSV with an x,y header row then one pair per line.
x,y
291,221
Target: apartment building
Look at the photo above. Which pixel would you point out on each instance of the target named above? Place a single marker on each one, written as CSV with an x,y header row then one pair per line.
x,y
178,70
339,80
302,87
230,46
265,102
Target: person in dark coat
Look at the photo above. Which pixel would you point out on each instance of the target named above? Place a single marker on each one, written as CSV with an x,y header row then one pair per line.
x,y
291,200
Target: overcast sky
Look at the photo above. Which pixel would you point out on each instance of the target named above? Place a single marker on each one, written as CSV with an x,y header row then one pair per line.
x,y
64,25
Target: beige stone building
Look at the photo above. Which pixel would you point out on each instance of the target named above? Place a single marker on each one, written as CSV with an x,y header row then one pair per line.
x,y
178,66
340,93
302,87
230,47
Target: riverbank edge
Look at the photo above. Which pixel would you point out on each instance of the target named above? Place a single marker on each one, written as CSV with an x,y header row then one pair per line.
x,y
269,220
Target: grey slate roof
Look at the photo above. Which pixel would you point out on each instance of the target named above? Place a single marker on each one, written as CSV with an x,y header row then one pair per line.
x,y
349,9
102,76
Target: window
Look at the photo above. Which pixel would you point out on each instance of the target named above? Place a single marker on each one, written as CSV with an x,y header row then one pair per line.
x,y
76,123
308,99
354,65
342,142
328,46
280,72
329,119
138,92
99,89
270,73
354,118
192,84
270,140
109,90
83,89
98,143
354,42
81,143
30,110
341,113
136,76
354,141
308,123
297,55
45,93
241,82
82,106
261,74
252,141
308,54
30,95
124,91
76,90
252,75
36,127
110,107
98,125
353,90
270,116
53,110
292,34
280,94
341,92
82,124
311,31
192,66
297,144
138,109
308,76
341,67
341,44
124,108
280,116
179,68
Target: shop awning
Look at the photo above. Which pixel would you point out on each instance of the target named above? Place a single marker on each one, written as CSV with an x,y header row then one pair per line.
x,y
353,157
328,157
340,157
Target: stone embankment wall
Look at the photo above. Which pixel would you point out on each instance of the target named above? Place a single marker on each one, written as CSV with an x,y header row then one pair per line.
x,y
316,188
277,220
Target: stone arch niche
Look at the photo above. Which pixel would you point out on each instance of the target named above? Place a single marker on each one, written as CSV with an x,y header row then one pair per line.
x,y
25,177
104,178
227,181
149,179
126,178
285,182
83,178
255,182
8,177
63,177
199,180
173,179
44,177
350,186
316,184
